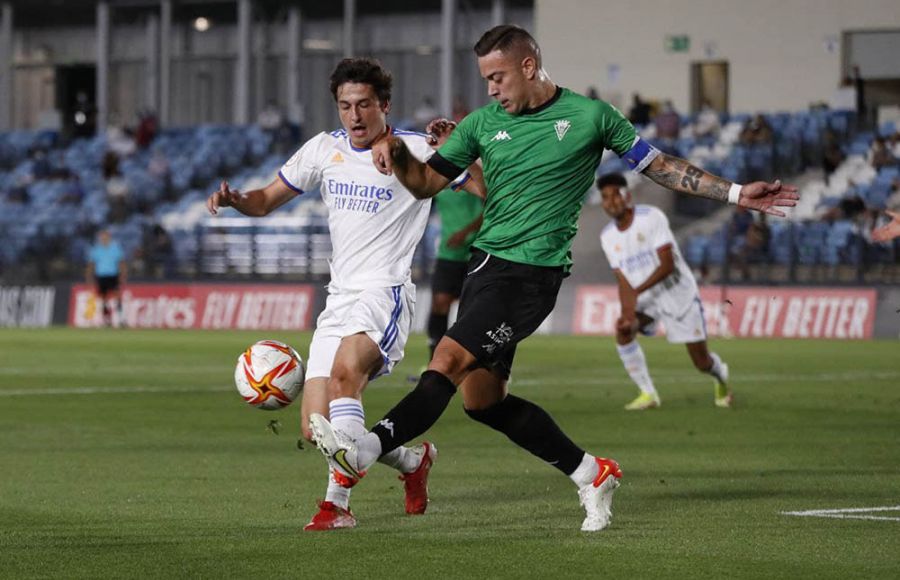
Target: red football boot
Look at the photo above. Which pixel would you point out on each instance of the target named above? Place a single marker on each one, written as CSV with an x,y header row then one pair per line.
x,y
416,482
330,517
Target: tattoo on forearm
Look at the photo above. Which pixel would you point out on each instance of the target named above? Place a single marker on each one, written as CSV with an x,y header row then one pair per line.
x,y
691,179
679,175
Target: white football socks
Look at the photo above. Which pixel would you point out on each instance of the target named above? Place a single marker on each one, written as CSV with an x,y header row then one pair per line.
x,y
403,459
632,356
368,450
586,472
347,415
716,369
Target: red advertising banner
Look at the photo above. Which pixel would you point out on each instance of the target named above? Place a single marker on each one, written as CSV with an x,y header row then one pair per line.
x,y
806,312
213,306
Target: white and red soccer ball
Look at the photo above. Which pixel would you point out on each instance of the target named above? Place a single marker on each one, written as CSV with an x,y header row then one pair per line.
x,y
269,375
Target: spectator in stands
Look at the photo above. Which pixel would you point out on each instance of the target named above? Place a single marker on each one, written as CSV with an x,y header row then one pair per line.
x,y
147,128
158,168
425,113
708,124
668,123
41,167
757,131
832,154
639,114
879,154
159,253
18,193
120,141
754,247
117,193
74,192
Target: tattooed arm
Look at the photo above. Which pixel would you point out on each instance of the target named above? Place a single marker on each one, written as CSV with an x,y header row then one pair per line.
x,y
679,175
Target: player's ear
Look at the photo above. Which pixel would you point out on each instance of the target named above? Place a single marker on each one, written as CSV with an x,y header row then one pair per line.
x,y
529,67
385,107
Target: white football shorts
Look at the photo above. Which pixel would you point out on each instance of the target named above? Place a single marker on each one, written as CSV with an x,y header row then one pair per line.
x,y
689,326
384,314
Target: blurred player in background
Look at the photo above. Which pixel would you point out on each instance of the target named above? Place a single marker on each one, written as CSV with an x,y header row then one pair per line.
x,y
375,224
655,285
460,214
106,272
540,145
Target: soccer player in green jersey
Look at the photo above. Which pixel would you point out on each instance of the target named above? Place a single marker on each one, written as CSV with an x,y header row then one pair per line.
x,y
540,145
460,213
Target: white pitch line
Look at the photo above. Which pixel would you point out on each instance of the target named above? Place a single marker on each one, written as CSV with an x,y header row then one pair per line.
x,y
108,390
848,513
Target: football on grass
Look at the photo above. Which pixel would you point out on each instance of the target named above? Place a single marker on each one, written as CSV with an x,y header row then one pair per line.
x,y
269,375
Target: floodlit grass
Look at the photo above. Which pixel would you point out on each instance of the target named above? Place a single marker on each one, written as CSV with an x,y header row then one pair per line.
x,y
128,454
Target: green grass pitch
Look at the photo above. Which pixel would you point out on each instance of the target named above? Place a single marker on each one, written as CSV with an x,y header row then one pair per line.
x,y
128,454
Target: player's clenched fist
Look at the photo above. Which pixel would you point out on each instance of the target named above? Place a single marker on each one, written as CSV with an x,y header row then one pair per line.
x,y
223,197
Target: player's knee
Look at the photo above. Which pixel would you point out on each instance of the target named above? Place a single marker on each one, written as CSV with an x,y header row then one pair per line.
x,y
447,363
702,362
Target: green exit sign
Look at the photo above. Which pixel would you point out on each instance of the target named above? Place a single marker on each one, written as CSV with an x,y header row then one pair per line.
x,y
678,43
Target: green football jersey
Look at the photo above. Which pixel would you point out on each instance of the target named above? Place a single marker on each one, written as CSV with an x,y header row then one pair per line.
x,y
538,165
457,208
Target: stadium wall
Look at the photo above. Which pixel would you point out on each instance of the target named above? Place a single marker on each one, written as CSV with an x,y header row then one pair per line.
x,y
204,63
735,311
783,54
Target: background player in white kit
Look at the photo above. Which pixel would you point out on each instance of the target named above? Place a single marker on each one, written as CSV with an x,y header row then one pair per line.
x,y
655,284
375,224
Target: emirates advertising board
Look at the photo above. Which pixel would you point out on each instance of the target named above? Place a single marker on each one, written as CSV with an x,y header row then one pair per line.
x,y
753,312
208,306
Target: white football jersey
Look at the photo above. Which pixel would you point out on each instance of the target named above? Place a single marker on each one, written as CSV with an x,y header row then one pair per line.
x,y
634,253
375,223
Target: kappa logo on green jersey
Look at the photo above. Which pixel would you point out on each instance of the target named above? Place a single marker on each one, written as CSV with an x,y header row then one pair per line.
x,y
562,127
501,136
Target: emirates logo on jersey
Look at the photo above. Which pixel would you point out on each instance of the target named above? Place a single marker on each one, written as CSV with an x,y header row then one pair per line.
x,y
562,127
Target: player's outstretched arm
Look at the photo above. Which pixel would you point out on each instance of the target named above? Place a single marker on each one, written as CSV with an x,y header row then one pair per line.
x,y
663,271
888,231
391,156
255,203
679,175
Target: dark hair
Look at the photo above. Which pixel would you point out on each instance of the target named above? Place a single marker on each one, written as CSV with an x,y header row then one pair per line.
x,y
365,71
508,38
616,179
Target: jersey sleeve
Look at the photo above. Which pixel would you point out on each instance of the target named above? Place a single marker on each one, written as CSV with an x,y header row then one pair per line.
x,y
460,150
661,235
618,135
303,171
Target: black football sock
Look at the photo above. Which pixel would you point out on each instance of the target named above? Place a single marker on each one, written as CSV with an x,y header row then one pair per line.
x,y
416,412
437,327
533,429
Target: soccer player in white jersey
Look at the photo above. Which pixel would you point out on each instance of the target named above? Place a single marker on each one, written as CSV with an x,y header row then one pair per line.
x,y
655,284
375,225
